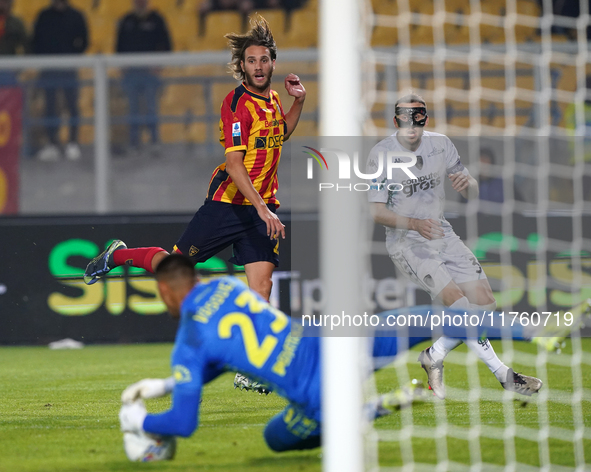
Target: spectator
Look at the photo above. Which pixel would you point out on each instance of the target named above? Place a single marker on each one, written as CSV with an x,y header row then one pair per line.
x,y
572,9
60,29
142,30
13,39
491,188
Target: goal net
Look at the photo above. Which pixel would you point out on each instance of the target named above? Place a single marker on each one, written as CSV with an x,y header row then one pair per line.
x,y
509,81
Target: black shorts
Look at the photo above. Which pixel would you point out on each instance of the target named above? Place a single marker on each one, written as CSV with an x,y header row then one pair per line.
x,y
216,225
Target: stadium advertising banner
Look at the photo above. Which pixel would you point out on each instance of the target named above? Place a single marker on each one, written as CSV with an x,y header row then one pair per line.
x,y
11,99
43,297
525,274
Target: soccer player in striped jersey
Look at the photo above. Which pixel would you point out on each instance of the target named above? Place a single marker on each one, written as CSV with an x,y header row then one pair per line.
x,y
240,205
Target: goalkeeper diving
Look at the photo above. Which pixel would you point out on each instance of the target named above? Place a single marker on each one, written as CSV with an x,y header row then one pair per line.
x,y
224,326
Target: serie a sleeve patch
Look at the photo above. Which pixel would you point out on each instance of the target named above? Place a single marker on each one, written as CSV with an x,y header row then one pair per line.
x,y
236,134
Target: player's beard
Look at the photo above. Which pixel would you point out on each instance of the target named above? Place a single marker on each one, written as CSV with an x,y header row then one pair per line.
x,y
254,85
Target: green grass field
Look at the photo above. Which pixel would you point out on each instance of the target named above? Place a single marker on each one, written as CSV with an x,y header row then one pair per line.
x,y
58,412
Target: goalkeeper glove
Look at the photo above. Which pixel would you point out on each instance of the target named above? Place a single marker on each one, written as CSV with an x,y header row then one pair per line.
x,y
147,388
131,417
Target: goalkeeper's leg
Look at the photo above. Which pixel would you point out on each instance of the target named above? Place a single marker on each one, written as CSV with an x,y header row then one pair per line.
x,y
291,430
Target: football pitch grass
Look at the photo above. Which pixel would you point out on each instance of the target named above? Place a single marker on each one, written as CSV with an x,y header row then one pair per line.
x,y
58,412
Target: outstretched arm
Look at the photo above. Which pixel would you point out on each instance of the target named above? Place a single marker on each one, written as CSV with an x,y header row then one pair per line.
x,y
181,420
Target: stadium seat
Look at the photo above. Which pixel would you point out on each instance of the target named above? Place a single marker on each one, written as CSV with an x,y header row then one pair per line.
x,y
310,5
529,8
426,8
455,34
493,7
494,82
306,128
218,93
102,34
86,6
458,6
178,99
86,106
217,24
173,132
492,34
114,8
525,34
166,6
526,82
303,30
421,35
385,7
384,36
183,29
198,133
28,10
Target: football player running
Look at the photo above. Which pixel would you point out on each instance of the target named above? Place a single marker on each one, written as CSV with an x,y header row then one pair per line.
x,y
422,243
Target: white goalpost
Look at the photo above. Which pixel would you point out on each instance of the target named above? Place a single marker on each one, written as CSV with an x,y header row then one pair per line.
x,y
340,267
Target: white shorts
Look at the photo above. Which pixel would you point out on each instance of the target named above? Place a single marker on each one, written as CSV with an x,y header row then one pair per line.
x,y
432,265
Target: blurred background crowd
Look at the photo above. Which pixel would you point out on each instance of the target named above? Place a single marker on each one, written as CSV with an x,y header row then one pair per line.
x,y
172,112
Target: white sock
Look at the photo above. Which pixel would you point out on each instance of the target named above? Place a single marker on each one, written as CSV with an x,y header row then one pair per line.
x,y
485,351
487,354
444,345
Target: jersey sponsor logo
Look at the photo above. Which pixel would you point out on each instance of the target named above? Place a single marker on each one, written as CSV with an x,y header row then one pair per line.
x,y
260,142
425,182
236,129
181,374
270,142
273,123
275,141
435,151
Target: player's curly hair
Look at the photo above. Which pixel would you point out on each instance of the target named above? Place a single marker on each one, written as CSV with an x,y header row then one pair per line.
x,y
259,35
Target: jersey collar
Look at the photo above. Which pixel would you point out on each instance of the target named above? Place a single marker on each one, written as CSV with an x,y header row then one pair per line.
x,y
256,95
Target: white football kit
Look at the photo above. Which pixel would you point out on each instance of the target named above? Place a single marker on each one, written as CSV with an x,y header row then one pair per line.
x,y
431,264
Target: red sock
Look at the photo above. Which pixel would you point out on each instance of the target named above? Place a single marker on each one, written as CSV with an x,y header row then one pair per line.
x,y
139,257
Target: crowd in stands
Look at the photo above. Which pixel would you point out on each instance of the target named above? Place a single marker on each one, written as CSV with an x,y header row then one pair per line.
x,y
61,28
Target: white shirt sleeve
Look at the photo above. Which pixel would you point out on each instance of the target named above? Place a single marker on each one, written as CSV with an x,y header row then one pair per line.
x,y
452,159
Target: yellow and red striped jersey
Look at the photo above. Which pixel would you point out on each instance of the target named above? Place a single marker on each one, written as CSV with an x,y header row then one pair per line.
x,y
255,124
